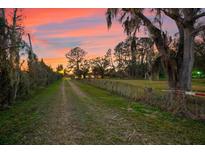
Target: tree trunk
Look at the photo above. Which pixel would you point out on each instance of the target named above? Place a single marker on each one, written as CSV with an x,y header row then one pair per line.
x,y
181,76
188,61
171,68
4,63
133,57
102,75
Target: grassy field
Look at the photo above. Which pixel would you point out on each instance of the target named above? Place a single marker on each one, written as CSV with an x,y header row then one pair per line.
x,y
197,85
71,112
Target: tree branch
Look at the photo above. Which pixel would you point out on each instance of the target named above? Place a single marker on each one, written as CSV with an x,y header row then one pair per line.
x,y
199,16
173,15
156,34
199,29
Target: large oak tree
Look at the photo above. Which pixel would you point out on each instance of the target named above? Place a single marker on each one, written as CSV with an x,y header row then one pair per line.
x,y
179,68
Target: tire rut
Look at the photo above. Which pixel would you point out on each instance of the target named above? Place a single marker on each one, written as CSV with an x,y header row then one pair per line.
x,y
76,118
59,126
118,129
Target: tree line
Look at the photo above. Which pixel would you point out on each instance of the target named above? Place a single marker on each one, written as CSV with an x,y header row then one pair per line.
x,y
131,58
173,56
135,58
16,54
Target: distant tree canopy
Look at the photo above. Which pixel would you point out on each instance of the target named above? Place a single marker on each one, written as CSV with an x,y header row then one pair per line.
x,y
60,69
75,58
136,60
14,82
145,63
82,68
85,67
102,65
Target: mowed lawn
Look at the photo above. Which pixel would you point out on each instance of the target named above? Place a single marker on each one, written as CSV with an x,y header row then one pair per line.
x,y
197,84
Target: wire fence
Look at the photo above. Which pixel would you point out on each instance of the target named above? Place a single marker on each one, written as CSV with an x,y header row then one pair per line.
x,y
176,102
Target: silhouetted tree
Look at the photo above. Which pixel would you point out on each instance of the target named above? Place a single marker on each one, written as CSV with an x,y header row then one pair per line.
x,y
101,65
75,56
60,69
136,61
4,60
122,57
11,43
14,82
85,67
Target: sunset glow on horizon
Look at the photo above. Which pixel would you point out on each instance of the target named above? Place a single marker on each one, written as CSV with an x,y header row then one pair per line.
x,y
55,31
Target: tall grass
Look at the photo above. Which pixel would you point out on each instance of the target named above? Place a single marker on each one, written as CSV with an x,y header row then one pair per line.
x,y
177,103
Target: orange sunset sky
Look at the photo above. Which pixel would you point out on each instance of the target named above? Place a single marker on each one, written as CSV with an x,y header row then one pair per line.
x,y
55,31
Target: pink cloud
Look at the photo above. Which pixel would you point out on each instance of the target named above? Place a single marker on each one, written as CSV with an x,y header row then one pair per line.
x,y
95,39
34,17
